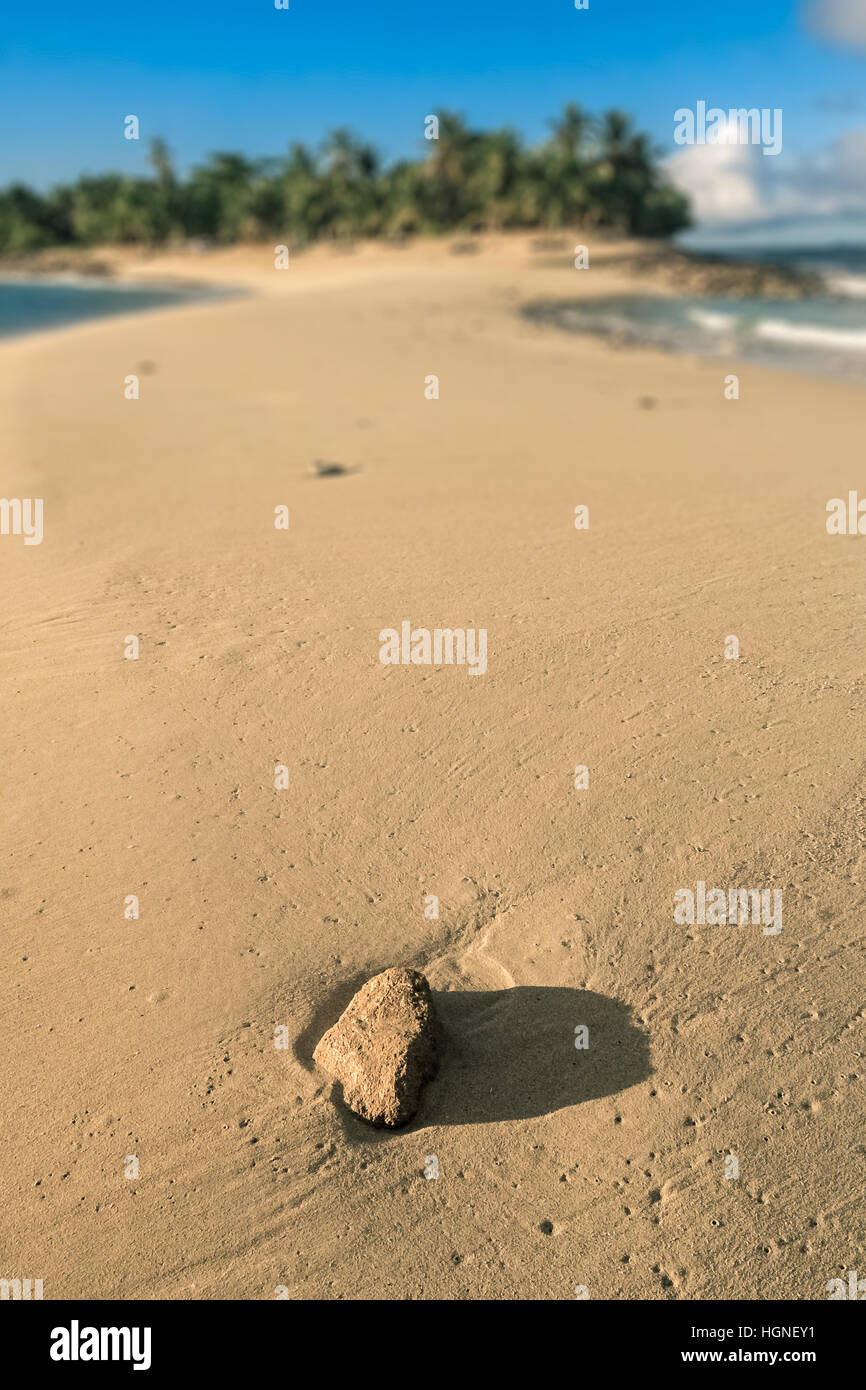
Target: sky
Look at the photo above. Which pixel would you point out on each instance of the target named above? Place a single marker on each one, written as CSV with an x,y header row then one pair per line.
x,y
245,76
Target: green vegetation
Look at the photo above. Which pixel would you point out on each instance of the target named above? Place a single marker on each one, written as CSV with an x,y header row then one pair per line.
x,y
589,173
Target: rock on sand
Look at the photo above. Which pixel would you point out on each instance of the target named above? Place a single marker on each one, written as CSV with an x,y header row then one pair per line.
x,y
383,1047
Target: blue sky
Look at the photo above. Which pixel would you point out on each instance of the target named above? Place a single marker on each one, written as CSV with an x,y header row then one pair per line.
x,y
245,76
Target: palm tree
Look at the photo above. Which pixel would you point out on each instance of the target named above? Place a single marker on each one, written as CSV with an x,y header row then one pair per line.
x,y
27,222
218,197
345,154
625,173
351,190
614,134
160,161
570,131
405,191
168,213
561,171
450,167
495,182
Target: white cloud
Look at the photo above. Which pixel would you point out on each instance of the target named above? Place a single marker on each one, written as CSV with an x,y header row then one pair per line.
x,y
720,181
735,184
843,20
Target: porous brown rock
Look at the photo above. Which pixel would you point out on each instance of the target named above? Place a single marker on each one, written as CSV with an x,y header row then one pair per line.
x,y
383,1047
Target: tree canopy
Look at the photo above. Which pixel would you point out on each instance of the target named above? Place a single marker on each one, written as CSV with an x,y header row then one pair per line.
x,y
591,173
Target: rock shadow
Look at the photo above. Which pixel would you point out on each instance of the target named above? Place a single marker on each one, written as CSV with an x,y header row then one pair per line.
x,y
510,1054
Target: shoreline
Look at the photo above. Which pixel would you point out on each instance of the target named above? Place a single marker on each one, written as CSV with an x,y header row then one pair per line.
x,y
670,264
619,269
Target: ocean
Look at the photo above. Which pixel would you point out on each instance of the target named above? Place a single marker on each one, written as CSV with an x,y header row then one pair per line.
x,y
28,306
824,334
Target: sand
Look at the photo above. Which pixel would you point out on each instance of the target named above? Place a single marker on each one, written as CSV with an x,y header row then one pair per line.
x,y
183,1039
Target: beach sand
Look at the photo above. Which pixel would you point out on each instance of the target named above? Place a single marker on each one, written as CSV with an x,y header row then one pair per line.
x,y
261,910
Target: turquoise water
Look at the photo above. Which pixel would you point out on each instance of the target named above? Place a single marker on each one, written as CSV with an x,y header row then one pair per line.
x,y
27,306
823,334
